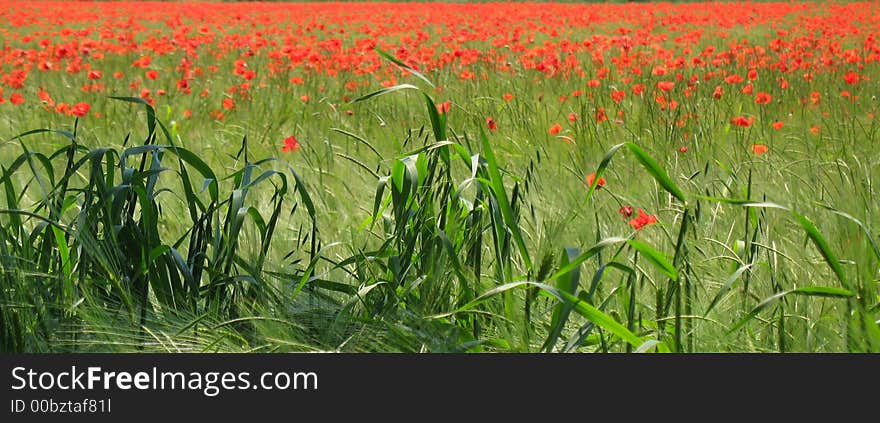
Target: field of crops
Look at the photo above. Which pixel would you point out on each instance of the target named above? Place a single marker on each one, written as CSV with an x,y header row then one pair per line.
x,y
418,177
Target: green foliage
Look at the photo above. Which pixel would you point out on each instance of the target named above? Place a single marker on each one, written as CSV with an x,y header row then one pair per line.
x,y
97,234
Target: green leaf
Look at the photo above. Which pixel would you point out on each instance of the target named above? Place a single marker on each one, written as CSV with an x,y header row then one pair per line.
x,y
384,91
595,249
497,187
726,287
603,165
380,190
655,257
868,235
567,282
594,315
398,171
824,249
438,122
656,171
304,196
196,162
823,291
64,253
67,134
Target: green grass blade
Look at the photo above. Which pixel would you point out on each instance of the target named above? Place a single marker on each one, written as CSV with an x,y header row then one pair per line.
x,y
603,165
384,91
656,171
438,122
497,187
579,306
566,283
824,249
655,257
810,291
586,255
594,315
726,287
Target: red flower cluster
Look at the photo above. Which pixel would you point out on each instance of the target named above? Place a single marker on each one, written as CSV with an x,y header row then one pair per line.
x,y
490,122
291,144
742,121
759,149
669,55
642,220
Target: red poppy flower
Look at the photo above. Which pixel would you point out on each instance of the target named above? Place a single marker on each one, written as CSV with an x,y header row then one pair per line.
x,y
291,144
626,211
783,83
592,177
143,62
742,121
151,74
491,123
80,109
665,86
760,149
555,129
851,78
45,98
600,115
642,220
638,89
763,98
733,79
777,125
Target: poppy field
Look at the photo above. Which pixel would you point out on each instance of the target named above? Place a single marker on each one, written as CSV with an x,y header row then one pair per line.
x,y
439,177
